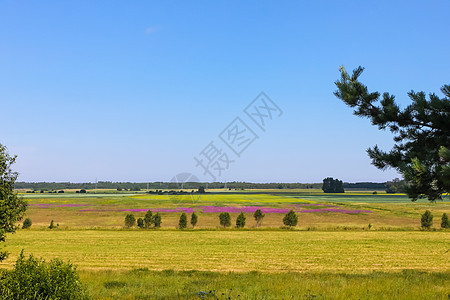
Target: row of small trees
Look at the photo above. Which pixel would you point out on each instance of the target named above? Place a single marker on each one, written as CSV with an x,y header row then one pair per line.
x,y
290,219
427,220
148,221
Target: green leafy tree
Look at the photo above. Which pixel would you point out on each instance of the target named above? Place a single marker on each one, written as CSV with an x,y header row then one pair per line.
x,y
182,223
240,221
12,207
444,221
35,278
130,220
290,219
225,219
422,134
27,223
331,185
148,219
427,219
157,220
194,219
140,223
259,216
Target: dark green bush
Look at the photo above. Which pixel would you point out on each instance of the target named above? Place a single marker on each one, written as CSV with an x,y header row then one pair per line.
x,y
240,221
183,221
225,219
157,220
27,223
140,223
130,220
427,219
444,221
290,219
194,219
34,278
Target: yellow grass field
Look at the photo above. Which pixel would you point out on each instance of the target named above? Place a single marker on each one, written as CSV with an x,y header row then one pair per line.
x,y
241,251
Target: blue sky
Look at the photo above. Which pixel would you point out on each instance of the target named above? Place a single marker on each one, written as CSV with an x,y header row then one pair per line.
x,y
133,90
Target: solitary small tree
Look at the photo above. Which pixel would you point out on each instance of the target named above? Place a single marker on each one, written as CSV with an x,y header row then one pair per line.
x,y
130,220
148,219
140,223
259,216
225,219
444,222
290,219
52,225
182,223
427,219
240,221
194,219
12,207
157,220
27,223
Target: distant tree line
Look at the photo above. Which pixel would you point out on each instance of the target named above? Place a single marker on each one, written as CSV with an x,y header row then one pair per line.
x,y
137,186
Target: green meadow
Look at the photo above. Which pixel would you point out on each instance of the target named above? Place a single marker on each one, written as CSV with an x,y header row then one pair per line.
x,y
332,254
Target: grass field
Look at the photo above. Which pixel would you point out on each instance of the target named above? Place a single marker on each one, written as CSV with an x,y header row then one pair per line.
x,y
109,210
330,255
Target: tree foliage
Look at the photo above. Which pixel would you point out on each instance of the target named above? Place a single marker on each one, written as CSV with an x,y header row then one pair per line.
x,y
182,223
427,219
194,219
130,220
225,219
34,278
140,223
27,223
290,219
157,220
12,207
421,134
259,216
444,221
148,219
240,221
331,185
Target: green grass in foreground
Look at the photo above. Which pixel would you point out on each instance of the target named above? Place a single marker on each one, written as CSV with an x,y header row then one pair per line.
x,y
168,284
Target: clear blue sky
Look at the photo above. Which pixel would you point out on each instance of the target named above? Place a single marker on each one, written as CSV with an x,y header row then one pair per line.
x,y
133,90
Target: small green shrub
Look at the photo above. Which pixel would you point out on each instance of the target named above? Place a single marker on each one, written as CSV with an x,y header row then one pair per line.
x,y
240,221
444,221
427,219
157,220
182,223
290,219
225,219
259,216
148,219
194,219
27,223
34,278
140,223
130,220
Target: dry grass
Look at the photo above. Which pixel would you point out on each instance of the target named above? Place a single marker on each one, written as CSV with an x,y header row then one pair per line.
x,y
233,250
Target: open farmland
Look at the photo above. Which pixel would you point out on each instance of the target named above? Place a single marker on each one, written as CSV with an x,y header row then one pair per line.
x,y
332,253
316,210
